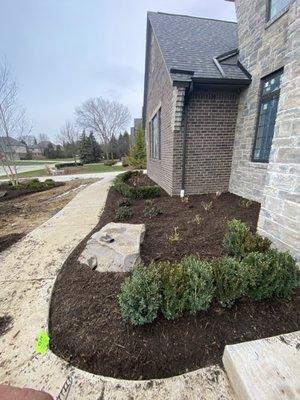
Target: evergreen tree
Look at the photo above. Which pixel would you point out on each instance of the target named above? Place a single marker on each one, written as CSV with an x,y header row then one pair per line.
x,y
85,149
96,148
49,151
137,155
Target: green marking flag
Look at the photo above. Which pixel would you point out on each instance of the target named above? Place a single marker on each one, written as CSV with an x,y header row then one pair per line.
x,y
42,342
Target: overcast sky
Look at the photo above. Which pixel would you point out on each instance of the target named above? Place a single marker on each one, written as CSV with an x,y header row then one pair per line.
x,y
62,52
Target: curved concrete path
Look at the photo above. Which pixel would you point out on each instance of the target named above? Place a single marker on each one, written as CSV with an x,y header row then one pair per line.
x,y
28,273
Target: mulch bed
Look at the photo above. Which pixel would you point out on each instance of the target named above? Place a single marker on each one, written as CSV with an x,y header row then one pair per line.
x,y
86,326
8,240
12,193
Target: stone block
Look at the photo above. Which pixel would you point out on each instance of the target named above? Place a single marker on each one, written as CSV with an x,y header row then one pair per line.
x,y
116,247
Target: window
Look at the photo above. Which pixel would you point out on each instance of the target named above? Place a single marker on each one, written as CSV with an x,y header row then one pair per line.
x,y
154,129
275,6
267,116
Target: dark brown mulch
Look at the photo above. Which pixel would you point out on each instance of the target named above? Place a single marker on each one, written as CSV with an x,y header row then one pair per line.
x,y
86,326
8,240
5,324
140,180
12,193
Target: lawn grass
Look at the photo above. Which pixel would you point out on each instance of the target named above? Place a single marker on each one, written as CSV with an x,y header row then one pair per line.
x,y
86,169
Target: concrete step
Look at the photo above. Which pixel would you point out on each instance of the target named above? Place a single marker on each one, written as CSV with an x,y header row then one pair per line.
x,y
266,369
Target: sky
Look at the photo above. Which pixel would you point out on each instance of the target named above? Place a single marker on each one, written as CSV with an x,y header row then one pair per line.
x,y
62,52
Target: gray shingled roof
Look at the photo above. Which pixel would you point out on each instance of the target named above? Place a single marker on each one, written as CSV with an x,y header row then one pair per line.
x,y
13,142
191,43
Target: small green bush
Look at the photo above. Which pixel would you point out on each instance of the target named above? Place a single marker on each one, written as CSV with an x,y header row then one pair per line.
x,y
174,290
239,241
200,285
68,164
271,274
140,297
136,192
35,184
151,209
110,163
49,182
230,279
123,213
125,162
124,203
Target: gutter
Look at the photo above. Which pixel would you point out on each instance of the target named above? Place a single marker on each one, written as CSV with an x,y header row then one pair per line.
x,y
187,97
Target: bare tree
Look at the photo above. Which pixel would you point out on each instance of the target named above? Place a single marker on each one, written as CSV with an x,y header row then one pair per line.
x,y
43,137
106,118
69,135
12,122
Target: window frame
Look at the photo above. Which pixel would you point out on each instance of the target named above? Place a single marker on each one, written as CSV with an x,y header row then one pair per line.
x,y
269,8
154,156
263,98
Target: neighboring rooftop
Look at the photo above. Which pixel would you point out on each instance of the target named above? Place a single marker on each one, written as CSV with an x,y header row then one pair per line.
x,y
191,44
13,142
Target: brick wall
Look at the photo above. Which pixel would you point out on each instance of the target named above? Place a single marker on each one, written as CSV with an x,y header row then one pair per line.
x,y
160,94
210,137
264,48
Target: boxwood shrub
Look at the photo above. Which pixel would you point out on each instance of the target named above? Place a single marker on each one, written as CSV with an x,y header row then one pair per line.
x,y
140,297
271,274
239,241
68,164
136,192
230,279
200,288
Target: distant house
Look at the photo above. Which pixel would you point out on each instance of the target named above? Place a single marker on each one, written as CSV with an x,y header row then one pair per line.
x,y
221,109
35,151
13,148
44,144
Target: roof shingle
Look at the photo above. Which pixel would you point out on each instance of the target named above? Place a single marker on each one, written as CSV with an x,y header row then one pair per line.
x,y
191,43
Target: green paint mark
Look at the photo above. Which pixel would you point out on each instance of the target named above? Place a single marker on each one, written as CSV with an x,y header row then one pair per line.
x,y
42,342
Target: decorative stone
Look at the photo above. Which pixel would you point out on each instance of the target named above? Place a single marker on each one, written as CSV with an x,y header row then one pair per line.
x,y
119,252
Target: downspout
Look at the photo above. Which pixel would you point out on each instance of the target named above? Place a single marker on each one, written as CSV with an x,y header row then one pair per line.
x,y
184,137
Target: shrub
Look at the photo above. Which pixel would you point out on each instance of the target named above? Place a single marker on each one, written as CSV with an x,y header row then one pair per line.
x,y
35,184
110,163
230,279
200,287
125,162
245,203
124,203
140,297
136,192
49,182
68,164
123,213
271,274
151,209
174,290
137,154
239,241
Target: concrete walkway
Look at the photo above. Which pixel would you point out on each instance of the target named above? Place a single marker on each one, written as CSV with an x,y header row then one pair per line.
x,y
28,273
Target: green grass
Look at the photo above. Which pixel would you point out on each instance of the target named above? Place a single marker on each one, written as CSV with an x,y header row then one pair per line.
x,y
87,169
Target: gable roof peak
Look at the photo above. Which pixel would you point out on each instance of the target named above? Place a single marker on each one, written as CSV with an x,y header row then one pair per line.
x,y
190,16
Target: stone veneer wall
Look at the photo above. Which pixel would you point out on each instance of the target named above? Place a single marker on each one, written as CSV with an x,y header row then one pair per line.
x,y
210,137
264,48
280,210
